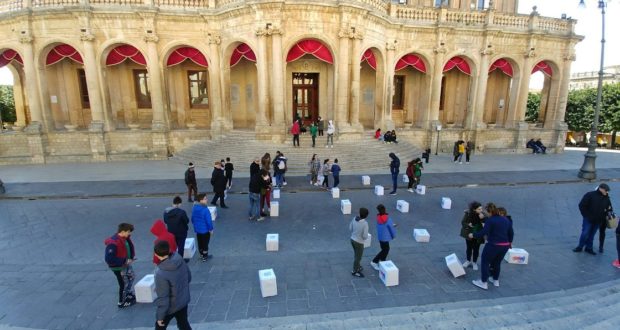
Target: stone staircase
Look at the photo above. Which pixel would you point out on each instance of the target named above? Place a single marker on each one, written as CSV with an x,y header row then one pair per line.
x,y
591,307
365,155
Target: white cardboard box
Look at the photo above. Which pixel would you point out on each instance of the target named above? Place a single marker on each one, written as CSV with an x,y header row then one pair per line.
x,y
517,256
345,206
368,241
268,285
405,178
272,242
446,203
274,211
379,190
402,206
421,235
190,248
320,179
335,192
388,272
454,265
145,289
276,193
366,180
213,211
420,189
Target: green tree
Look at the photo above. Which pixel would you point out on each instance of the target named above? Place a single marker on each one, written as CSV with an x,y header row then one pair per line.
x,y
533,106
7,104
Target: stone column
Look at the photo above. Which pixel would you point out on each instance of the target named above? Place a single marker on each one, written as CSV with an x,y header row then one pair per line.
x,y
389,84
277,81
263,80
91,69
560,110
156,88
476,115
355,83
518,114
436,82
217,121
31,83
342,91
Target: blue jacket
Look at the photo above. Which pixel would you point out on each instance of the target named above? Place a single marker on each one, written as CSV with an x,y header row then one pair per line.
x,y
385,228
201,219
497,229
394,164
335,169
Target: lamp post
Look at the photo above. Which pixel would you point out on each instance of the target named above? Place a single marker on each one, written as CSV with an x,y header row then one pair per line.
x,y
438,127
588,169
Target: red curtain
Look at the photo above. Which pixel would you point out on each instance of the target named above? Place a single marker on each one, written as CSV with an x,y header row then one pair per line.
x,y
181,54
543,67
8,55
503,65
411,60
313,47
59,52
370,58
119,54
242,51
459,63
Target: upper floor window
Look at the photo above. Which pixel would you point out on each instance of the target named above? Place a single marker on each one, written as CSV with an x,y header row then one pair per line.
x,y
439,3
141,86
399,92
198,91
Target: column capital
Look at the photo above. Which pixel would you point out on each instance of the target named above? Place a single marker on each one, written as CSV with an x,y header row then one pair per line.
x,y
440,50
489,50
350,33
86,36
268,30
25,38
151,37
391,45
214,39
570,56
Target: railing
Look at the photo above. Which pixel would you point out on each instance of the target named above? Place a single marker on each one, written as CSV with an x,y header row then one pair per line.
x,y
417,14
10,5
54,3
182,3
552,24
117,2
466,17
520,21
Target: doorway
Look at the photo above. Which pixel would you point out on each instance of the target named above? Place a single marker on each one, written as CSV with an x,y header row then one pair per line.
x,y
306,97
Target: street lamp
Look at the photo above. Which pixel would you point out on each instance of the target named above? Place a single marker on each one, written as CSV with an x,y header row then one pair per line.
x,y
588,169
438,127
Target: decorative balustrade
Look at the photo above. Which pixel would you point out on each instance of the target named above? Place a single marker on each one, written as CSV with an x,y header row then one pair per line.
x,y
54,3
182,3
552,24
515,21
10,5
381,5
417,14
466,17
117,2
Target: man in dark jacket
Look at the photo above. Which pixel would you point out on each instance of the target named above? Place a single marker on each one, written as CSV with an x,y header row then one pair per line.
x,y
256,183
172,279
228,171
394,169
177,222
190,182
119,255
593,207
218,181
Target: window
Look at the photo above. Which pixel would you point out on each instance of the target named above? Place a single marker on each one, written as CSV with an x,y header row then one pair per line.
x,y
198,89
141,85
399,86
83,89
439,3
480,4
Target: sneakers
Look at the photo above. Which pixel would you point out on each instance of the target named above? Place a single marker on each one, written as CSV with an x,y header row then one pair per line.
x,y
393,193
190,200
474,266
374,265
357,274
590,251
495,282
260,219
311,183
129,301
460,162
410,190
284,184
600,249
466,264
480,284
577,249
616,263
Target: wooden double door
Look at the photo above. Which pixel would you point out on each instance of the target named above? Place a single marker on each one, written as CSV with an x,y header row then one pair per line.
x,y
306,97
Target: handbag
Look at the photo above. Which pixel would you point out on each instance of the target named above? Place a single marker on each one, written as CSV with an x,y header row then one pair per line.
x,y
612,220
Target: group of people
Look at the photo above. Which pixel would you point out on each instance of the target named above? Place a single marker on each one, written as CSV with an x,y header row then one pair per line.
x,y
318,170
537,146
221,180
388,137
262,183
462,148
316,128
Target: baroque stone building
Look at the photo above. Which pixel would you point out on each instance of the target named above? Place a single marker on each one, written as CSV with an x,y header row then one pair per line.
x,y
589,79
126,79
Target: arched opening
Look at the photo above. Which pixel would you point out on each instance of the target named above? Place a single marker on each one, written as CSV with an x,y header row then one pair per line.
x,y
499,92
310,73
66,88
243,87
371,88
127,80
13,101
455,86
188,88
541,101
410,98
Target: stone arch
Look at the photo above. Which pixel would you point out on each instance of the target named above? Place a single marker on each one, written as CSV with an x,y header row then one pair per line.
x,y
12,60
456,90
241,84
501,92
412,80
372,81
549,97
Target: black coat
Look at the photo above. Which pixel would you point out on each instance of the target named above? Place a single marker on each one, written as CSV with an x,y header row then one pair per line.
x,y
594,206
177,221
190,177
254,169
256,183
218,180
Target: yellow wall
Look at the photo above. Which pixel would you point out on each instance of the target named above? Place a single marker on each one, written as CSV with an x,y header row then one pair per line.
x,y
498,89
243,94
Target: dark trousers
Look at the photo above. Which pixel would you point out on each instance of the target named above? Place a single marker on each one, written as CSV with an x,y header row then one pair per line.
x,y
601,234
473,249
492,255
295,138
382,255
203,243
229,180
588,230
411,182
313,141
180,244
336,180
618,245
358,251
180,316
394,181
192,187
326,181
467,154
320,132
218,195
125,278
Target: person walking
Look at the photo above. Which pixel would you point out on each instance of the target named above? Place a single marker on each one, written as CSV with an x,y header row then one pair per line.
x,y
190,182
315,167
279,166
120,255
218,181
265,162
177,222
418,166
265,193
283,158
255,194
331,129
359,233
313,131
172,279
385,233
228,172
325,170
593,206
460,151
162,234
499,234
295,131
255,167
472,222
409,173
469,148
203,226
335,168
394,169
320,125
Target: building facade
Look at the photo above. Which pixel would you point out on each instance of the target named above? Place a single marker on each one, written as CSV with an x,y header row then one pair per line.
x,y
584,80
100,80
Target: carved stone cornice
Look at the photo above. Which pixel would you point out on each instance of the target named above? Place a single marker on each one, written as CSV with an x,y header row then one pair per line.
x,y
25,38
265,32
489,50
151,37
214,39
570,57
530,53
86,36
440,50
391,45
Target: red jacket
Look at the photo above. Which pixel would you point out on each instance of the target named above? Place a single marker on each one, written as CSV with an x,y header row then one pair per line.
x,y
116,252
162,234
295,128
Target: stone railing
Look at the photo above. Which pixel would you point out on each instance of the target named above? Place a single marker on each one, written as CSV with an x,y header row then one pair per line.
x,y
115,2
514,21
553,24
10,5
417,14
466,17
181,3
54,3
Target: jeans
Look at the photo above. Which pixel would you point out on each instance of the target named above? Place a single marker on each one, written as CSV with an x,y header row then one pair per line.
x,y
473,249
382,255
125,278
336,180
394,181
411,182
254,205
588,230
358,250
314,177
330,139
618,245
191,188
279,178
492,255
180,244
203,243
180,316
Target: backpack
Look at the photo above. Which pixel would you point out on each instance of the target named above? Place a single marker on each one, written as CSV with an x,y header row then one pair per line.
x,y
281,164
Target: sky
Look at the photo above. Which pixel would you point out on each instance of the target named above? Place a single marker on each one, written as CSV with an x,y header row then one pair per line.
x,y
588,25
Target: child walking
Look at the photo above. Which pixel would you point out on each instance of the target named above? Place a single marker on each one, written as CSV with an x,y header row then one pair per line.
x,y
385,233
359,233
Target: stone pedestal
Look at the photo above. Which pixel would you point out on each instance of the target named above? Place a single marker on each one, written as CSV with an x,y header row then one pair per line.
x,y
97,142
35,143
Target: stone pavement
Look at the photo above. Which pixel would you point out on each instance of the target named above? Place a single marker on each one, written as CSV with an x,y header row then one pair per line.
x,y
52,275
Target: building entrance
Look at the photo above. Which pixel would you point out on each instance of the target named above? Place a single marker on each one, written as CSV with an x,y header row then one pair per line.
x,y
306,97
